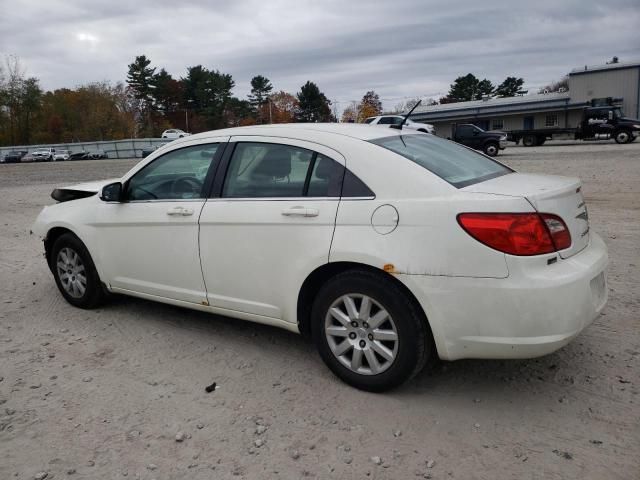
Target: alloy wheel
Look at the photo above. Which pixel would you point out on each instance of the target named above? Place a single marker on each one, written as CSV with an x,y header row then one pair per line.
x,y
71,272
361,334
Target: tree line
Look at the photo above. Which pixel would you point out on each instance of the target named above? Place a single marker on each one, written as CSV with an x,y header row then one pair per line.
x,y
151,100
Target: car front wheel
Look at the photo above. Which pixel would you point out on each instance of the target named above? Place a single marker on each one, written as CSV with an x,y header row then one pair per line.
x,y
74,272
491,149
369,332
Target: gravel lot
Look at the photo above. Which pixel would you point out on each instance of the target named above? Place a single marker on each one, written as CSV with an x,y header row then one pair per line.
x,y
103,394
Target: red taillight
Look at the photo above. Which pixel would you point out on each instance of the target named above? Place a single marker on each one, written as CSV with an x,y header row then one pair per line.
x,y
517,233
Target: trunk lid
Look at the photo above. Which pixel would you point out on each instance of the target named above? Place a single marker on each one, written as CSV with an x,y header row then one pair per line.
x,y
561,196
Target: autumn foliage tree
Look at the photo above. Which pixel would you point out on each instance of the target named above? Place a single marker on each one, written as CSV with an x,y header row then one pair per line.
x,y
283,107
370,106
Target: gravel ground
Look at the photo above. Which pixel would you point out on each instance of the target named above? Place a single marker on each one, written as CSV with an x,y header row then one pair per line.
x,y
120,391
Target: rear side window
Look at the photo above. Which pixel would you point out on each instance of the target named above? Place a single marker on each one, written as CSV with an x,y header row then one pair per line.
x,y
455,164
267,170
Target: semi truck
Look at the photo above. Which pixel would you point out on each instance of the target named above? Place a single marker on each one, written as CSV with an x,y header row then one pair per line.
x,y
602,118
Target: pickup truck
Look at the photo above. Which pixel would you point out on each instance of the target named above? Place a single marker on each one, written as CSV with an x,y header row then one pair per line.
x,y
44,154
490,142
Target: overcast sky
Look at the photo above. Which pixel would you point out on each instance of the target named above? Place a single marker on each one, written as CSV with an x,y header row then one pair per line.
x,y
399,48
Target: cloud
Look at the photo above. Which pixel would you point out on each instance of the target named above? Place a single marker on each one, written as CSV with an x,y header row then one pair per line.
x,y
399,48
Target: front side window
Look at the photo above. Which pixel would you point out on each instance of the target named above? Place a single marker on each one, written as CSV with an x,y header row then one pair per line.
x,y
453,163
385,121
268,170
177,175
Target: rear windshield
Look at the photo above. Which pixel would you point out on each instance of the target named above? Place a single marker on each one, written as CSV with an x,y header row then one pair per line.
x,y
453,163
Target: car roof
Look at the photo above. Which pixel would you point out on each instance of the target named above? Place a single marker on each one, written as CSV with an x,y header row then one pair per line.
x,y
361,131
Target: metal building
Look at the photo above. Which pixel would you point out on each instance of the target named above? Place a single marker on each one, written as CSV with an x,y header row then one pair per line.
x,y
545,110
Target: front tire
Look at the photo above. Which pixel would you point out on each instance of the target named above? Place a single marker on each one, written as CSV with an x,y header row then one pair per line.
x,y
491,149
369,332
623,136
75,273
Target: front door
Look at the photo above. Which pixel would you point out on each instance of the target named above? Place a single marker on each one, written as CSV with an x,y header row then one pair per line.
x,y
150,241
270,224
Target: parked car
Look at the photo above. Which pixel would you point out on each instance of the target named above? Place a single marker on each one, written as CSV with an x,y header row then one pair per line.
x,y
97,154
27,158
146,151
397,120
44,154
88,155
385,246
61,155
174,133
79,155
14,156
490,142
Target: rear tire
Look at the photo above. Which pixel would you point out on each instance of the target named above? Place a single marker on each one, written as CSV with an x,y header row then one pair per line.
x,y
382,342
529,140
75,273
491,149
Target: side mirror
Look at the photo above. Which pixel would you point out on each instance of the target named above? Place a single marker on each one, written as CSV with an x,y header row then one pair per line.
x,y
111,192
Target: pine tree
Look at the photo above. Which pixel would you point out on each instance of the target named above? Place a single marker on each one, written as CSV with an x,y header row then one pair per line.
x,y
511,87
313,104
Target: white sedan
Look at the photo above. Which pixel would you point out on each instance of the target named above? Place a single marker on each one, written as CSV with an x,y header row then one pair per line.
x,y
389,120
386,247
174,133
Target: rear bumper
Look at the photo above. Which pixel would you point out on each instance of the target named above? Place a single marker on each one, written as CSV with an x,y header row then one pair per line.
x,y
536,310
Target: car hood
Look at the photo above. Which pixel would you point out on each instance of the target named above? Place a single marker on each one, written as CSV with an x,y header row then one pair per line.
x,y
81,190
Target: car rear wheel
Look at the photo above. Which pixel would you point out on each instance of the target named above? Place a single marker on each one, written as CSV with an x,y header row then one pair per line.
x,y
491,149
369,332
74,272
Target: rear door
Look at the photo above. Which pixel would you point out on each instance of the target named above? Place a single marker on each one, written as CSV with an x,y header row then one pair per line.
x,y
270,223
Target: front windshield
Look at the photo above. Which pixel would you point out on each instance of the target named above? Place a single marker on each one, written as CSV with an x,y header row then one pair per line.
x,y
458,165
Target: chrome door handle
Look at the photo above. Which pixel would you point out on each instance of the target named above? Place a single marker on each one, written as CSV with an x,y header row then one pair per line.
x,y
300,211
180,211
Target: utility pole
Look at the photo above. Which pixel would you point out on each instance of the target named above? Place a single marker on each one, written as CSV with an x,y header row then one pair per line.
x,y
270,114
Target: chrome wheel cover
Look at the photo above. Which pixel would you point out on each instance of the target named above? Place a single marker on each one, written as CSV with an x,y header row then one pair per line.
x,y
361,334
71,272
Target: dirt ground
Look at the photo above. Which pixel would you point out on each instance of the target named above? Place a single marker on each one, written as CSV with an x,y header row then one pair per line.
x,y
102,394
